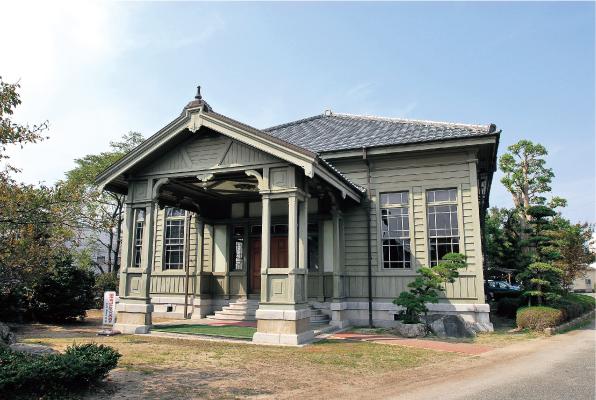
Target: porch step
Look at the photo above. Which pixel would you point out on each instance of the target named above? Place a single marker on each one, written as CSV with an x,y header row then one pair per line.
x,y
318,317
241,310
245,310
221,317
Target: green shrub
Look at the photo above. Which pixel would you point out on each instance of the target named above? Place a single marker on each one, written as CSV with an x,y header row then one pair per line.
x,y
75,369
426,287
64,293
104,283
538,318
575,305
507,306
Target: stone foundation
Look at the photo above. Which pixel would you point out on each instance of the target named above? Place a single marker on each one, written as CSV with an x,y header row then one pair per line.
x,y
356,314
133,318
289,327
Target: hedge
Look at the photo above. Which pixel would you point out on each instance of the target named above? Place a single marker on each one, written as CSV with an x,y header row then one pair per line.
x,y
75,369
574,305
538,318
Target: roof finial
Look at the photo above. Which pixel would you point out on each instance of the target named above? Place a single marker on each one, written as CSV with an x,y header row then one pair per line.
x,y
198,96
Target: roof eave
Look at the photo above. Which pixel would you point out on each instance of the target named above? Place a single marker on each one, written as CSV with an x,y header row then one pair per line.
x,y
412,146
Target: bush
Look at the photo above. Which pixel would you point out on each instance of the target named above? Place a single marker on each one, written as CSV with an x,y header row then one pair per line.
x,y
575,305
64,293
426,287
538,318
104,283
507,306
76,369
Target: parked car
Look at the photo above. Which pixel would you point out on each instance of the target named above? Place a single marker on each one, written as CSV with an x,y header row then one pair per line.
x,y
496,290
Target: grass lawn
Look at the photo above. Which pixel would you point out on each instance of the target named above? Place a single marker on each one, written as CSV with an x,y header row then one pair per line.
x,y
235,332
172,368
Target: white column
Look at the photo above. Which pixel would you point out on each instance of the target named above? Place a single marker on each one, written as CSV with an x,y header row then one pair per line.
x,y
303,235
292,232
265,244
336,215
147,250
125,248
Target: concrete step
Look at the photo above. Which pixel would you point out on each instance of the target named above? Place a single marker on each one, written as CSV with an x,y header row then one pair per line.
x,y
317,317
231,317
245,301
237,306
241,310
236,312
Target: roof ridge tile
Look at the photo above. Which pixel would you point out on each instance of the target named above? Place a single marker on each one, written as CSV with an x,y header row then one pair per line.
x,y
408,120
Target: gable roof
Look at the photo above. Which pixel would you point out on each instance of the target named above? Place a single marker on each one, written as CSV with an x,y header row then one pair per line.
x,y
335,132
302,143
196,115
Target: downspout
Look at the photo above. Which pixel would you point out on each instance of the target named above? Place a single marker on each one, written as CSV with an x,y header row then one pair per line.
x,y
366,204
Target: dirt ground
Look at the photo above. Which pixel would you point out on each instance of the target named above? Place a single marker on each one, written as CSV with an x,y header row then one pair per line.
x,y
167,368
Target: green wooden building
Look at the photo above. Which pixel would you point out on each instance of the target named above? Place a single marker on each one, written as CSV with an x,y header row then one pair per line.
x,y
328,217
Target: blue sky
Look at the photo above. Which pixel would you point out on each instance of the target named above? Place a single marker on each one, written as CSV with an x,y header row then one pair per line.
x,y
97,70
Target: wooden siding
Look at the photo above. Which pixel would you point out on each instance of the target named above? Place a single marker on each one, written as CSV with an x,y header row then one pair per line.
x,y
172,281
416,175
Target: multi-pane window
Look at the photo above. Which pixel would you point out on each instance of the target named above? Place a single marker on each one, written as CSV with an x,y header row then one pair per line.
x,y
395,230
443,230
138,238
238,248
174,239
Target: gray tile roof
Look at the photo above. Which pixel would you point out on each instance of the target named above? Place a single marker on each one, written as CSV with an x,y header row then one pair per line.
x,y
333,131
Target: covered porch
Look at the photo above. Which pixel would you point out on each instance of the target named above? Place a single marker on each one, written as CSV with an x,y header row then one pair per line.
x,y
248,235
218,212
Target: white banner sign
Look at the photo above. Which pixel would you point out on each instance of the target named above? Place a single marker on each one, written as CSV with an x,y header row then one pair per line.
x,y
109,308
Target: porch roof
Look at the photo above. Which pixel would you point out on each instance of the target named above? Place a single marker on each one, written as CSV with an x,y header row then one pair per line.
x,y
197,114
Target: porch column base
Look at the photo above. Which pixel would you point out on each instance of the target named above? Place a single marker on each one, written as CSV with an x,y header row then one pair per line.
x,y
201,308
339,317
283,327
133,318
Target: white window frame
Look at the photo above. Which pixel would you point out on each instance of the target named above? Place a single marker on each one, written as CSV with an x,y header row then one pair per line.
x,y
165,266
407,238
139,230
451,202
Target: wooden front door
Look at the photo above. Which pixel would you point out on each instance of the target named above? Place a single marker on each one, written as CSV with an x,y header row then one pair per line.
x,y
279,252
255,266
278,259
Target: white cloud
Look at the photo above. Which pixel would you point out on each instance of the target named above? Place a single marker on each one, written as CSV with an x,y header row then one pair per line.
x,y
59,52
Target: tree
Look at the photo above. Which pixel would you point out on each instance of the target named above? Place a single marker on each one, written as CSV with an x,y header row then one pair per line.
x,y
526,176
12,133
542,280
503,242
101,212
424,289
572,243
35,221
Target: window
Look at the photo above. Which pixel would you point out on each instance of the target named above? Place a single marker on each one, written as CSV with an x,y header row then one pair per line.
x,y
395,230
101,259
174,239
138,238
238,248
443,231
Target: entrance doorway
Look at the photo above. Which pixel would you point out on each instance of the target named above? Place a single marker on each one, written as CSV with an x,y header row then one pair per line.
x,y
278,259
